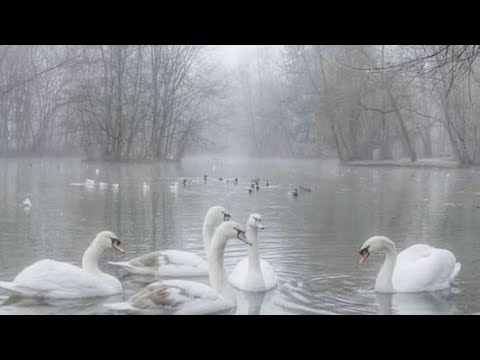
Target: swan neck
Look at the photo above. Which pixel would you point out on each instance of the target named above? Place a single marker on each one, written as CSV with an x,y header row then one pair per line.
x,y
91,257
216,269
384,279
253,257
207,234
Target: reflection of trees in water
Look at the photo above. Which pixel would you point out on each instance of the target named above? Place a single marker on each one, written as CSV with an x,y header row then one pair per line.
x,y
155,201
168,223
397,198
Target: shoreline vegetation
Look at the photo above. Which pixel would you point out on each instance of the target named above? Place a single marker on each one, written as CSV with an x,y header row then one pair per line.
x,y
439,163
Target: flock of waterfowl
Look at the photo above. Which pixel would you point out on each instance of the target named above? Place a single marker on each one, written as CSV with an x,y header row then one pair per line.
x,y
59,280
419,268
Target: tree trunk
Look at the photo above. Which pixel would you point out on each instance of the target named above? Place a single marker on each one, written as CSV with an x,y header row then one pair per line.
x,y
403,129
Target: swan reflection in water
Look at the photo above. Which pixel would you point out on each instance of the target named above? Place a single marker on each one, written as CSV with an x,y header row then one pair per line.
x,y
252,303
247,303
426,303
29,306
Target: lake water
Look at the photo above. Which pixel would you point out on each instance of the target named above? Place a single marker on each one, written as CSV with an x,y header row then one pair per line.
x,y
311,241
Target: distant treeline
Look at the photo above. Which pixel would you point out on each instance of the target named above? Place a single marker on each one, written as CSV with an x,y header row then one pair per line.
x,y
109,102
161,102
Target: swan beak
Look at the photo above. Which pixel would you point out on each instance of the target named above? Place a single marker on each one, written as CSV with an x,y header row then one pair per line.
x,y
364,255
116,246
241,236
226,216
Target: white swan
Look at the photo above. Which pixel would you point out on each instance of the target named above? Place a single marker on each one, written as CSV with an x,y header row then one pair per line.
x,y
418,268
146,188
27,204
252,273
176,262
89,184
174,187
54,279
189,297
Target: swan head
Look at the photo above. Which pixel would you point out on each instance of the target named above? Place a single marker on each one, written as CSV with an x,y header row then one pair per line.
x,y
374,245
232,230
107,239
255,221
217,215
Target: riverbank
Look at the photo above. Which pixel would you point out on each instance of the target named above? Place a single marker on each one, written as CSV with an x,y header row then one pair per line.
x,y
441,163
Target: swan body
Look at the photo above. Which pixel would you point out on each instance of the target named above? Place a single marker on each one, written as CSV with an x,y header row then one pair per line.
x,y
27,203
261,280
176,262
166,263
54,279
175,297
89,183
189,297
419,268
252,273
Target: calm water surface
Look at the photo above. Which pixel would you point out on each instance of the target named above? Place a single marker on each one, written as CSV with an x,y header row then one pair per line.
x,y
312,241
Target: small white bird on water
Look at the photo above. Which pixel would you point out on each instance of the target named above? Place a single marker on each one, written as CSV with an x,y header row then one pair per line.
x,y
27,203
174,187
146,188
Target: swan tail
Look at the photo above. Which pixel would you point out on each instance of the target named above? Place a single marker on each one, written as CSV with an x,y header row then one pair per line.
x,y
16,290
6,285
455,272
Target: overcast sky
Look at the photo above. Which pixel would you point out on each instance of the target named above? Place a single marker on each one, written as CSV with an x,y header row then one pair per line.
x,y
231,53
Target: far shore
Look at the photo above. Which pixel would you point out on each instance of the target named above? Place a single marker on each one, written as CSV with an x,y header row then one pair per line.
x,y
441,163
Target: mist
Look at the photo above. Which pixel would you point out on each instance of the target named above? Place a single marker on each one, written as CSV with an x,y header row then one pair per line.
x,y
165,102
239,179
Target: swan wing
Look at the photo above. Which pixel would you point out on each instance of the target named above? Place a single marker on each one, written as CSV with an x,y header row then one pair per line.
x,y
177,297
49,278
167,263
269,275
424,268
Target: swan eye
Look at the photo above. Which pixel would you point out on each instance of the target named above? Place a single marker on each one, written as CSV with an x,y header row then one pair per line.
x,y
364,251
